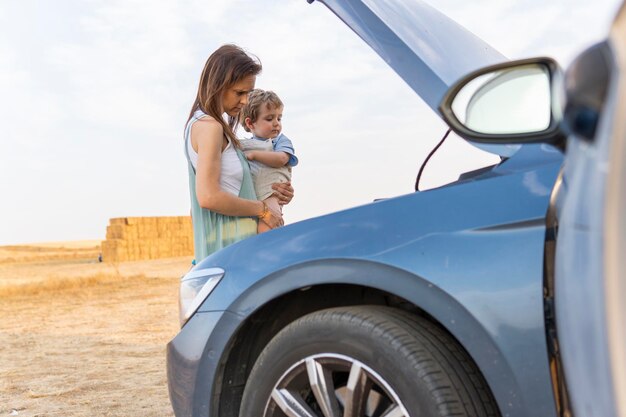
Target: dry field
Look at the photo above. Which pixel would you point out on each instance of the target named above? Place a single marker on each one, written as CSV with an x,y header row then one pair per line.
x,y
83,338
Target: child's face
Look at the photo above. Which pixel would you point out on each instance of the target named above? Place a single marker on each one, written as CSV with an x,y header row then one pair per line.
x,y
268,125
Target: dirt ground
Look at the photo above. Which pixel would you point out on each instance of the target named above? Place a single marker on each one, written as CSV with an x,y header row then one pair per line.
x,y
82,338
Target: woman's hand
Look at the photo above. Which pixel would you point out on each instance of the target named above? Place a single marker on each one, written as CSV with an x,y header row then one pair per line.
x,y
284,192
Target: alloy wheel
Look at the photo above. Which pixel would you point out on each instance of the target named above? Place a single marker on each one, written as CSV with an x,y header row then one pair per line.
x,y
332,385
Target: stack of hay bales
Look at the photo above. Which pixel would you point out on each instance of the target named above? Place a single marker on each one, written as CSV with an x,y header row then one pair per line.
x,y
136,238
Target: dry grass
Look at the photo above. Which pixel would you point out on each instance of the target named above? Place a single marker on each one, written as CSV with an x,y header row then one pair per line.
x,y
68,271
84,249
81,338
56,284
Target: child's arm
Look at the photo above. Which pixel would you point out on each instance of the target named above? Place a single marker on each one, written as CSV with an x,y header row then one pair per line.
x,y
269,158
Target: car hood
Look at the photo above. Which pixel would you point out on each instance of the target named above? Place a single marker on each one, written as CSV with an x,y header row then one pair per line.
x,y
423,46
427,49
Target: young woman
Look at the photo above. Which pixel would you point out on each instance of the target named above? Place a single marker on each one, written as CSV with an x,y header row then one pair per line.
x,y
224,207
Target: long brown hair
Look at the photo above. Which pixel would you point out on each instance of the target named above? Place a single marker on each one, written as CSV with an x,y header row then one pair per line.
x,y
228,65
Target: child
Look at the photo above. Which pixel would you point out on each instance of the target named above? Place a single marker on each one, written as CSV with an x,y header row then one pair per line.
x,y
270,160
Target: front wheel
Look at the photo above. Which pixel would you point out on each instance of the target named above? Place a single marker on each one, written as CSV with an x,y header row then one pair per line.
x,y
365,361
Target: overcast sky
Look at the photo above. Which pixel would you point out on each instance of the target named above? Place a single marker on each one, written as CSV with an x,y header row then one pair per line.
x,y
95,94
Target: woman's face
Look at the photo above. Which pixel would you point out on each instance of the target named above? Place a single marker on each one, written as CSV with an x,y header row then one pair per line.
x,y
236,96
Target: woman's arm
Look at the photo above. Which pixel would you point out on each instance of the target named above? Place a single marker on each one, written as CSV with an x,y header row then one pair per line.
x,y
207,135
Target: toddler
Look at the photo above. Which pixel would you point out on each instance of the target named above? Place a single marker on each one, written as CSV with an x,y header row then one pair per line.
x,y
270,153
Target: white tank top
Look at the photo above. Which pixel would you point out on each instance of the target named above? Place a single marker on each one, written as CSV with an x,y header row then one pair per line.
x,y
231,174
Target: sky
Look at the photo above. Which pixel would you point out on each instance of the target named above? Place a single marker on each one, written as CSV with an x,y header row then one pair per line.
x,y
95,94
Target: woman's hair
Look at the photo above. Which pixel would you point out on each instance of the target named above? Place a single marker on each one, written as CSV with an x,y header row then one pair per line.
x,y
256,100
228,65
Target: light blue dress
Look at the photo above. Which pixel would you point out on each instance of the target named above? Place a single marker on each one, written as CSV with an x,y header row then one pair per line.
x,y
213,231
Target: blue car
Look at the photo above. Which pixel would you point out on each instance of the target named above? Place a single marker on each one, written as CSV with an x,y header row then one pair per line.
x,y
501,294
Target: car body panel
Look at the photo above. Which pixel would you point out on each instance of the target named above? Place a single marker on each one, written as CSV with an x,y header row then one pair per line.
x,y
184,354
469,254
586,301
615,224
426,48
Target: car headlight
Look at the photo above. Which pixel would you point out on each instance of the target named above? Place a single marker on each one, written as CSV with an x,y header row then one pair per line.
x,y
195,287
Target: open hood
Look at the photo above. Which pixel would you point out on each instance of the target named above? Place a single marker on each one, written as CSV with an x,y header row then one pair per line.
x,y
427,49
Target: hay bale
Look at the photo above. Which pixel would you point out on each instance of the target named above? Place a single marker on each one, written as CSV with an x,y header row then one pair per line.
x,y
137,238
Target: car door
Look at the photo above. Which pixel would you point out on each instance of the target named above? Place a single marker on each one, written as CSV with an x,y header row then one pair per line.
x,y
590,286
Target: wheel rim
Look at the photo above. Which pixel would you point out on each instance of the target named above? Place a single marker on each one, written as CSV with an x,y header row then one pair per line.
x,y
332,385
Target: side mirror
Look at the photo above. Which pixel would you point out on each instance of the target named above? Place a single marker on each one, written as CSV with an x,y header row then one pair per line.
x,y
512,102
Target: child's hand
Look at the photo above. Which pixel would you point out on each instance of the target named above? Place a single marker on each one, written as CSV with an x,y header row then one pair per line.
x,y
249,155
274,219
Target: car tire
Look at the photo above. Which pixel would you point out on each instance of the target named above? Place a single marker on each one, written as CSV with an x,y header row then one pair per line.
x,y
373,361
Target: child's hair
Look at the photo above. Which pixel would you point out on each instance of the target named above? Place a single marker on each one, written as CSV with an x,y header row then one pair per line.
x,y
228,65
256,100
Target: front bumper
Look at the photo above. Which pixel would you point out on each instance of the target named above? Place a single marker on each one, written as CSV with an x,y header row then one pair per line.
x,y
192,362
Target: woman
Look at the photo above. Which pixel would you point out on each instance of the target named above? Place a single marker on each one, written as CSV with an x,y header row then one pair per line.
x,y
224,208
